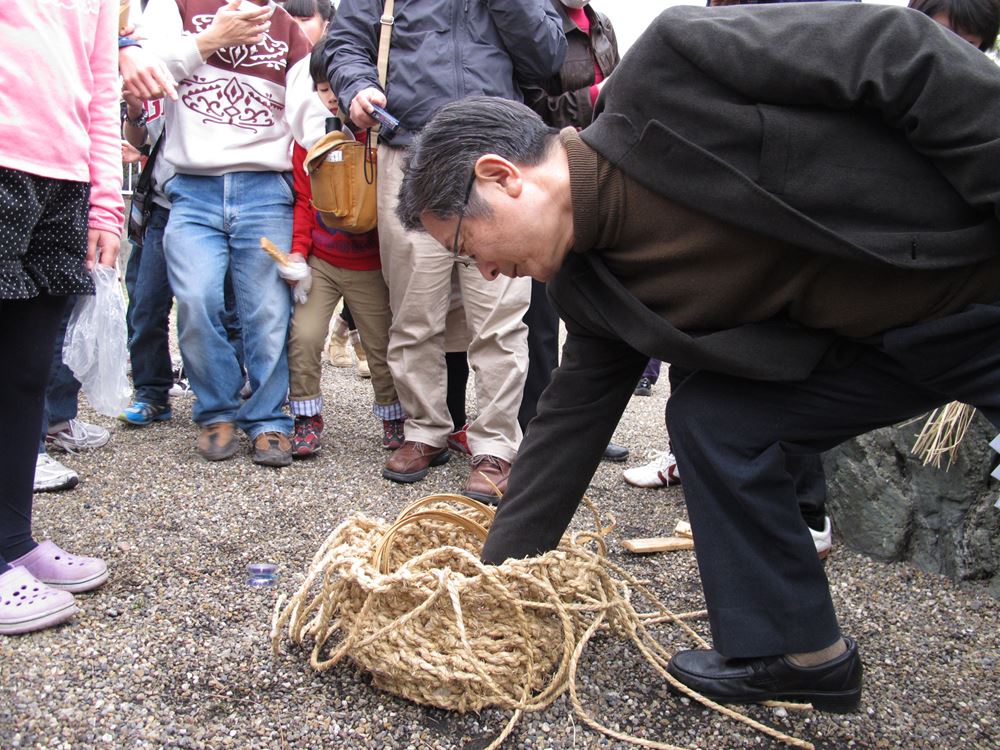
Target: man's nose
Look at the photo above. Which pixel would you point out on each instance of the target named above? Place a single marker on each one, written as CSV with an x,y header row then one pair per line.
x,y
489,270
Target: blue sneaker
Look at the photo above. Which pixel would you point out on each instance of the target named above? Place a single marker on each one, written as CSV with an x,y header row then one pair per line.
x,y
140,413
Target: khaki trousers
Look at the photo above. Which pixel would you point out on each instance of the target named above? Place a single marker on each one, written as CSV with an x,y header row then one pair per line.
x,y
419,272
368,298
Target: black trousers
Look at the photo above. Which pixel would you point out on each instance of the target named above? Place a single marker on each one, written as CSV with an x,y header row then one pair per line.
x,y
806,471
765,588
543,350
27,334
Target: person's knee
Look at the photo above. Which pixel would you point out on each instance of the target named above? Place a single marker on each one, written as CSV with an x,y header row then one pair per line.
x,y
701,410
306,334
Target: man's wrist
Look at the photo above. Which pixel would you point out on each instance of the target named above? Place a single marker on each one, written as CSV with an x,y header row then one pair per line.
x,y
139,121
207,45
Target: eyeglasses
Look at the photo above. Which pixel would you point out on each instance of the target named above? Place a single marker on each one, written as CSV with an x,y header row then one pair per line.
x,y
455,255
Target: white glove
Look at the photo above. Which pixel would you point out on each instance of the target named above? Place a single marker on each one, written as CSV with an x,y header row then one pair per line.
x,y
297,270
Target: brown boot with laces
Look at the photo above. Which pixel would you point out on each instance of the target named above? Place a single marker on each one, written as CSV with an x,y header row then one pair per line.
x,y
487,479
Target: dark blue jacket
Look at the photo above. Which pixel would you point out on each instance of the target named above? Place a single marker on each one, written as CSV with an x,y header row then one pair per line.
x,y
443,51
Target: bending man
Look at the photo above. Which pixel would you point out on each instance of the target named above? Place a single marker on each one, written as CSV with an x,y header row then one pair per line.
x,y
817,242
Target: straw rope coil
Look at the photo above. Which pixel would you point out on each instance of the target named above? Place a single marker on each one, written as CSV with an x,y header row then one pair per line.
x,y
411,604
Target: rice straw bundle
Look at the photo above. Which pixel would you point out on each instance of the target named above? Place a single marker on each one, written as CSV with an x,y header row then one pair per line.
x,y
942,433
411,604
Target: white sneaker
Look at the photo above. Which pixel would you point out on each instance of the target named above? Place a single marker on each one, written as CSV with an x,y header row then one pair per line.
x,y
181,386
660,472
78,435
50,475
823,539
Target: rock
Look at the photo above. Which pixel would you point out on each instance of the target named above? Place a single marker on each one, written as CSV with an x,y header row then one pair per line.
x,y
885,503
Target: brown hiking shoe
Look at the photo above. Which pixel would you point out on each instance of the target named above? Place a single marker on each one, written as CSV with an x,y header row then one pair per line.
x,y
410,462
218,441
272,449
487,479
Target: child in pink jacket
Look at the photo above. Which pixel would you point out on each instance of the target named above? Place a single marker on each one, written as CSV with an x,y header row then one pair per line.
x,y
60,212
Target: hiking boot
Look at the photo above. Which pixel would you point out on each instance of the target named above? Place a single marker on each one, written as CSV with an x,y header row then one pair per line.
x,y
307,434
27,604
77,435
272,449
487,479
50,475
458,441
141,414
60,570
392,433
218,441
412,460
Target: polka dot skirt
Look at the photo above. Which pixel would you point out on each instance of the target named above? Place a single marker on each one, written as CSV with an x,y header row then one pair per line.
x,y
43,236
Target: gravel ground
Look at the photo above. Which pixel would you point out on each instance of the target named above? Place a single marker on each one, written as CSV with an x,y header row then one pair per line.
x,y
173,651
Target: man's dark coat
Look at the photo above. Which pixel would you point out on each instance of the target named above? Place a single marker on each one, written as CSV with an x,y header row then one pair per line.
x,y
861,131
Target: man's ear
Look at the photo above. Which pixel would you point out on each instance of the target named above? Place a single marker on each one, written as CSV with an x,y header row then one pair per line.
x,y
504,173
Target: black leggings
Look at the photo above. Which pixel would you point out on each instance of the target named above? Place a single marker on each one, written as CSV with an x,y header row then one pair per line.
x,y
27,334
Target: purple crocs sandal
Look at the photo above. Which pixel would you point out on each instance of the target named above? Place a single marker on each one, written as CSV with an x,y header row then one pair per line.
x,y
27,604
60,570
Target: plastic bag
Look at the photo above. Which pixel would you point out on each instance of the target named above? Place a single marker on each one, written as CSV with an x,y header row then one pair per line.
x,y
96,346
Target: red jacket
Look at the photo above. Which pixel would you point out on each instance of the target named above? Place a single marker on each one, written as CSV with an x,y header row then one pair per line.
x,y
357,252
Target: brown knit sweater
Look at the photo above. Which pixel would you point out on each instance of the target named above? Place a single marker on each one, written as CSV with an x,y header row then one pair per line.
x,y
703,274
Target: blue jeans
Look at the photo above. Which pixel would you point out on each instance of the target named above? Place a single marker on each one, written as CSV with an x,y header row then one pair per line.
x,y
149,301
215,225
63,389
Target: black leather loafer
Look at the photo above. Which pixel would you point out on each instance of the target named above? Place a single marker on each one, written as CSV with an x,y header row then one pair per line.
x,y
615,453
834,686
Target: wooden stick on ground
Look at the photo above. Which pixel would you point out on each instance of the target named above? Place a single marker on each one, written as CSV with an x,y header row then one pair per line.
x,y
682,539
657,544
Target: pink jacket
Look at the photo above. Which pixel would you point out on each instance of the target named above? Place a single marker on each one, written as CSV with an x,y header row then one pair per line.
x,y
59,109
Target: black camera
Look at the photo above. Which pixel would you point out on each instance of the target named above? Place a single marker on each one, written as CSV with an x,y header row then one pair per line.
x,y
389,124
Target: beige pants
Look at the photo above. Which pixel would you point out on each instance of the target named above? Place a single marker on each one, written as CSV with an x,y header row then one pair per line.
x,y
419,274
368,298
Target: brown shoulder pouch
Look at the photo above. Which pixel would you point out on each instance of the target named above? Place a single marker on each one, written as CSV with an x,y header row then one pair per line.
x,y
343,175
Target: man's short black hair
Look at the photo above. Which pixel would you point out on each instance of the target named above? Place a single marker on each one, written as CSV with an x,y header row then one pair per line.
x,y
979,17
439,163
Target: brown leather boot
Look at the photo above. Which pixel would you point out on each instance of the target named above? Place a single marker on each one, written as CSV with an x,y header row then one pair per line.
x,y
412,460
218,441
487,479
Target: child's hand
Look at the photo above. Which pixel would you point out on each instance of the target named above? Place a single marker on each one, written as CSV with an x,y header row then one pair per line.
x,y
130,154
294,270
298,275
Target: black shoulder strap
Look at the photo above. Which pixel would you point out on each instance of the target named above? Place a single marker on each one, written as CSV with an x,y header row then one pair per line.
x,y
146,175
